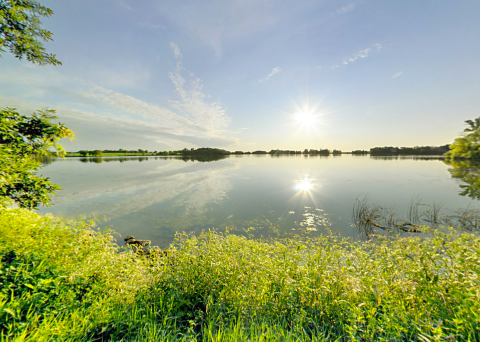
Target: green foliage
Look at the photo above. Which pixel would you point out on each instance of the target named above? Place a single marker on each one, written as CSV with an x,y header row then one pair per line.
x,y
21,32
467,146
64,281
467,172
60,279
203,151
321,152
22,138
414,151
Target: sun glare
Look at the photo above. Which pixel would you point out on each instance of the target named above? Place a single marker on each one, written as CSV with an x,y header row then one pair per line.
x,y
305,119
304,184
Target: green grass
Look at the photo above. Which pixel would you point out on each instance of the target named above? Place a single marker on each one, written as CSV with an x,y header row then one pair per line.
x,y
65,281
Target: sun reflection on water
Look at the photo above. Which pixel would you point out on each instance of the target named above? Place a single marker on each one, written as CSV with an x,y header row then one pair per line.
x,y
310,218
304,184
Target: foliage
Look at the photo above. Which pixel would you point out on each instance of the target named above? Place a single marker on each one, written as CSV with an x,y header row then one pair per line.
x,y
72,283
96,153
22,138
60,278
415,151
467,146
322,152
203,151
275,152
359,152
21,32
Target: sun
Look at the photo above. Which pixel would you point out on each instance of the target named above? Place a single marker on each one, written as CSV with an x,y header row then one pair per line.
x,y
305,118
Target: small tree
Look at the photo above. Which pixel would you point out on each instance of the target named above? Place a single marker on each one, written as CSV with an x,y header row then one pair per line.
x,y
22,140
467,146
97,153
83,153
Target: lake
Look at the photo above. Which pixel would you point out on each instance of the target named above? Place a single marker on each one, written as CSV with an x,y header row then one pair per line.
x,y
155,197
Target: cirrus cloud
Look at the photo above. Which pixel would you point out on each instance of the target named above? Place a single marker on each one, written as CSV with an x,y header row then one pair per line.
x,y
275,70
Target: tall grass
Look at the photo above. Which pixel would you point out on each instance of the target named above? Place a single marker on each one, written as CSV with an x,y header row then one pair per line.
x,y
371,219
62,280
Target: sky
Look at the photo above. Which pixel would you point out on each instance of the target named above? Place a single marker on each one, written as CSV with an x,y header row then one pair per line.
x,y
255,75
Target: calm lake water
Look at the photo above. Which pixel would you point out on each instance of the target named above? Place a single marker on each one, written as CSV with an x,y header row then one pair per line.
x,y
154,197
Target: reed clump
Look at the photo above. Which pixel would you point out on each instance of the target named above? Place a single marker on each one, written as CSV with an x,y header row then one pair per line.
x,y
63,280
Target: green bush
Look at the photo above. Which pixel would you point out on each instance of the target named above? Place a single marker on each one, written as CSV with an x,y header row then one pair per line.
x,y
62,280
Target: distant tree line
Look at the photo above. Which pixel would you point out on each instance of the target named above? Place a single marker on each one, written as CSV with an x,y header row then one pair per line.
x,y
94,153
417,150
360,152
203,151
208,151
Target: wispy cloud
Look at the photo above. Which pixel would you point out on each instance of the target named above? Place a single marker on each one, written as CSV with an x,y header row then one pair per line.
x,y
274,71
209,115
176,50
114,131
102,116
397,74
360,54
128,104
346,8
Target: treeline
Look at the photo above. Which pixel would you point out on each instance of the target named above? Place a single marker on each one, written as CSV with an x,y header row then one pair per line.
x,y
417,150
202,151
208,151
94,153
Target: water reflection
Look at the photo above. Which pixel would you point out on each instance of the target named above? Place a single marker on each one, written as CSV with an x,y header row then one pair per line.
x,y
304,184
142,159
315,218
106,159
153,197
406,157
467,172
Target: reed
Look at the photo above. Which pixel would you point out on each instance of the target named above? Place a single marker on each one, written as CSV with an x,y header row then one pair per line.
x,y
372,219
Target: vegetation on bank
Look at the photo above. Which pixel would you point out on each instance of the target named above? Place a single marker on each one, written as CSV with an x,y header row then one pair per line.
x,y
63,280
110,154
403,151
207,151
467,146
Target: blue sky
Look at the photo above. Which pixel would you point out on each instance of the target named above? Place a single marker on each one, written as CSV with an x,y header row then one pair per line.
x,y
164,75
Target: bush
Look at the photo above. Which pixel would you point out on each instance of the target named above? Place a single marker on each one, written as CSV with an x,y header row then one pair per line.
x,y
63,280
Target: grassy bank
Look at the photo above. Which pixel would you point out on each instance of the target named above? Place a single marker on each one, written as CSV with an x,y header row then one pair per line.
x,y
64,280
